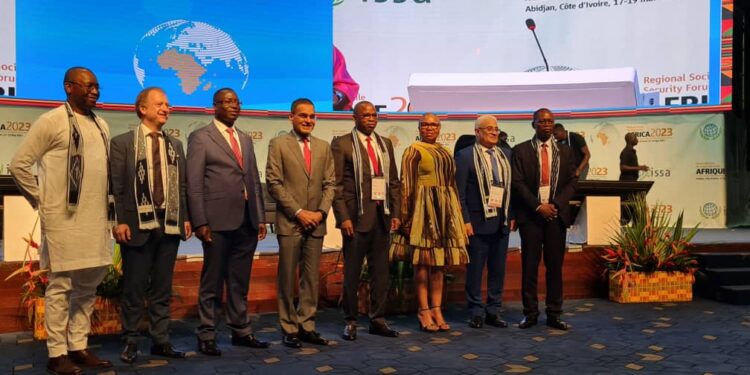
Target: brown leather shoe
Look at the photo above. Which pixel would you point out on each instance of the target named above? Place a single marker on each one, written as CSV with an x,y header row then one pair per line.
x,y
86,358
62,366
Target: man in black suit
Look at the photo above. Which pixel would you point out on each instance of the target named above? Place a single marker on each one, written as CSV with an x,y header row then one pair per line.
x,y
226,209
366,205
483,180
544,180
149,186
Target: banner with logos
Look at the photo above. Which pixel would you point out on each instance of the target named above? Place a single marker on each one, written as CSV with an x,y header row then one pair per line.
x,y
685,153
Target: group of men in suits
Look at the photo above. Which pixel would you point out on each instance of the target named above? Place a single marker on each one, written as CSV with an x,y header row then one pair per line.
x,y
157,200
528,188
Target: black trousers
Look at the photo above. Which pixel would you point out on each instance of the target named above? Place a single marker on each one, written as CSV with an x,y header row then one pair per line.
x,y
147,276
374,246
227,262
490,250
542,239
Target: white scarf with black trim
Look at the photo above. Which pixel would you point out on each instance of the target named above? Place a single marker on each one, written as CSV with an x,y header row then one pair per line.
x,y
143,197
385,167
484,177
76,162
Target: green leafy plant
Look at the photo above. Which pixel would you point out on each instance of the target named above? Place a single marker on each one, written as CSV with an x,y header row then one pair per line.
x,y
652,243
36,279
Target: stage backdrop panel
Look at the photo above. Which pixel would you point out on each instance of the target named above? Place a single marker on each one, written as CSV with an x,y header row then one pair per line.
x,y
685,152
674,45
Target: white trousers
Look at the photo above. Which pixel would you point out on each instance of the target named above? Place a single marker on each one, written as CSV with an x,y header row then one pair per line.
x,y
69,303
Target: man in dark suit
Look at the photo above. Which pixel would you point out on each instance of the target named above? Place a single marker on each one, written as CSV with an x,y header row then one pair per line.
x,y
367,204
226,210
483,177
300,177
149,186
544,180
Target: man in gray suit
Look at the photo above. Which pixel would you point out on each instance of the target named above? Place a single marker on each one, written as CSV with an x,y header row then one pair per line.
x,y
149,187
300,177
226,210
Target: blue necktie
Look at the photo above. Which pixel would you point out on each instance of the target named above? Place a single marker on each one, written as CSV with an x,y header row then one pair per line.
x,y
495,168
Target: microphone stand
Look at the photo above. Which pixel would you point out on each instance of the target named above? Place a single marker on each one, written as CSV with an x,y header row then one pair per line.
x,y
540,49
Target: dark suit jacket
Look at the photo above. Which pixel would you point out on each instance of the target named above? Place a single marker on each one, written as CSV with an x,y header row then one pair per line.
x,y
216,182
293,188
346,203
525,186
472,208
122,165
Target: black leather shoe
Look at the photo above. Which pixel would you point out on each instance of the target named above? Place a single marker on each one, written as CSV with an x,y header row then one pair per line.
x,y
476,322
250,341
495,321
350,332
291,340
62,365
527,322
166,350
556,323
88,359
208,347
382,329
130,353
312,337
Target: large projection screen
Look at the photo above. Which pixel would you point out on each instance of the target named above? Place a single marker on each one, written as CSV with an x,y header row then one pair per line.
x,y
674,46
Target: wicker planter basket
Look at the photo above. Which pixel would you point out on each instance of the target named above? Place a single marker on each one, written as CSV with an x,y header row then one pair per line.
x,y
658,286
104,321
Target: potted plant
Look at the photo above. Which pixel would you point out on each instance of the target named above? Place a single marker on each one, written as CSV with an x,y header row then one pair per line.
x,y
106,316
649,260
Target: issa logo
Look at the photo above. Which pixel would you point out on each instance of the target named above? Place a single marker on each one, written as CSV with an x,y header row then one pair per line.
x,y
710,210
710,131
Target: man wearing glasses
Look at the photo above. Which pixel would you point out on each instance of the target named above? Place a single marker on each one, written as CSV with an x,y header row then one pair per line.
x,y
483,178
226,209
72,198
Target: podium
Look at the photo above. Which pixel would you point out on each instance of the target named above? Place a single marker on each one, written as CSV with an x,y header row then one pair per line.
x,y
524,91
599,213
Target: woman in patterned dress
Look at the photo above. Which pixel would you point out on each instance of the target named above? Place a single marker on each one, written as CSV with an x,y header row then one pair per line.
x,y
432,233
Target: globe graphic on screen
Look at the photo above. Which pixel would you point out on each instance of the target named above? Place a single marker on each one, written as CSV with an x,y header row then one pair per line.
x,y
189,60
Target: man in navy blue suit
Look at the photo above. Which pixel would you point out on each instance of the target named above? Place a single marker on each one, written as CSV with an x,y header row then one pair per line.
x,y
483,176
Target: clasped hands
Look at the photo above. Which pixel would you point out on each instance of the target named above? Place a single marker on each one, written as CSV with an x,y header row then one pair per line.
x,y
308,220
548,211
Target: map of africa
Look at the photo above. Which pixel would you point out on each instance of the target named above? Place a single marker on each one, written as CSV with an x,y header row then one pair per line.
x,y
189,60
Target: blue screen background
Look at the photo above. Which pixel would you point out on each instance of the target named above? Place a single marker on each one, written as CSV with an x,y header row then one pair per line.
x,y
287,46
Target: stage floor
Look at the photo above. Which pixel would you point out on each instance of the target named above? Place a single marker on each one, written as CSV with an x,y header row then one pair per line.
x,y
696,337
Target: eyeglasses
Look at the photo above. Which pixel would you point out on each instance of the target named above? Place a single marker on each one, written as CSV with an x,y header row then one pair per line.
x,y
429,125
88,87
228,102
490,129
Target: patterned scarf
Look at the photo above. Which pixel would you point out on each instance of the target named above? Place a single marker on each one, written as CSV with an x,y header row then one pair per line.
x,y
385,167
144,201
75,164
555,165
484,177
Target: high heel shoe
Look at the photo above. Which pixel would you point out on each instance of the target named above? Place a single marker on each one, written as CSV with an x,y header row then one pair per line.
x,y
439,320
425,324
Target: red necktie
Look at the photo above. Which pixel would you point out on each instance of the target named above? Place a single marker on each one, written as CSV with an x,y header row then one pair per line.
x,y
158,185
235,146
373,158
545,165
308,155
